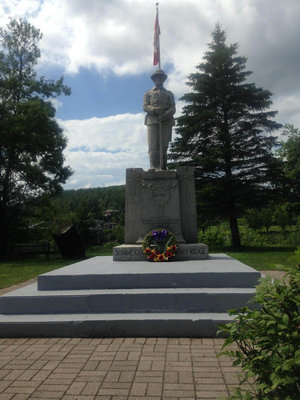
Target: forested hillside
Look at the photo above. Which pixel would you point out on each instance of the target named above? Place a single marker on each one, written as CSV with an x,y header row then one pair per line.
x,y
84,208
90,203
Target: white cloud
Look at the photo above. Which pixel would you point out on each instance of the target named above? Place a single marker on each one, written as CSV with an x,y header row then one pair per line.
x,y
114,133
56,103
100,149
289,111
116,36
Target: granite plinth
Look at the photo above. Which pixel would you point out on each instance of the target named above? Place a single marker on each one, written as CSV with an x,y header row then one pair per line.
x,y
186,251
29,300
203,325
104,273
100,297
160,199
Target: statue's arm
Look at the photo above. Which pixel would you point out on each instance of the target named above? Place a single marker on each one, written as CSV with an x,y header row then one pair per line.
x,y
171,110
146,105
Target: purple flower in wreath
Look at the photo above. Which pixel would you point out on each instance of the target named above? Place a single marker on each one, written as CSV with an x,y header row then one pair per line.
x,y
159,236
155,234
164,233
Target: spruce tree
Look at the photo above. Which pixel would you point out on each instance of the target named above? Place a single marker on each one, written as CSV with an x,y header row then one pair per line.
x,y
224,132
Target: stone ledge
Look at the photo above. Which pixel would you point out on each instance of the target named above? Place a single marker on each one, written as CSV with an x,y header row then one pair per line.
x,y
113,325
186,251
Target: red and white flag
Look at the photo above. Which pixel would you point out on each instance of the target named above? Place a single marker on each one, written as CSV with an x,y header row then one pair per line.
x,y
156,55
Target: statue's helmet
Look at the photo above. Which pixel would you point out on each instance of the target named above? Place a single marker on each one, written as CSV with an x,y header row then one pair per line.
x,y
159,72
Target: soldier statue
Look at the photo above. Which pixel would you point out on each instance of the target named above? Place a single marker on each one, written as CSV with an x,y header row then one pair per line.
x,y
159,105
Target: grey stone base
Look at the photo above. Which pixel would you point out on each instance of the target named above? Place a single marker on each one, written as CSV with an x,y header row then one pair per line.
x,y
29,300
113,325
134,252
219,271
100,297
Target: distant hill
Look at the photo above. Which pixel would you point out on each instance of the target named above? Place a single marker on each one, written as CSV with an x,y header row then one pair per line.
x,y
94,201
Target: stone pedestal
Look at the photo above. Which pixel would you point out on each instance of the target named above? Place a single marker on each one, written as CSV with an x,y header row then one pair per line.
x,y
160,199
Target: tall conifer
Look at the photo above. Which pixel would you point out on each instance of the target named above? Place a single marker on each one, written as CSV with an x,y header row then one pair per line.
x,y
224,133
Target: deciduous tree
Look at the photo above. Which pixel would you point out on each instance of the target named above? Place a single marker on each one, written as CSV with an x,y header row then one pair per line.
x,y
290,155
31,141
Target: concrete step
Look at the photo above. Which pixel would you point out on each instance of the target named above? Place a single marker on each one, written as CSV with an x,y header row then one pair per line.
x,y
29,300
100,297
219,271
112,325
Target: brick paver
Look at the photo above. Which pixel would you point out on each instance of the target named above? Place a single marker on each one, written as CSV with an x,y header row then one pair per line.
x,y
114,369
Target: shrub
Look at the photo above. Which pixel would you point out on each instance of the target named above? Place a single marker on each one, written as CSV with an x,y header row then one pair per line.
x,y
214,238
250,238
268,339
114,235
283,217
295,257
253,219
293,238
110,245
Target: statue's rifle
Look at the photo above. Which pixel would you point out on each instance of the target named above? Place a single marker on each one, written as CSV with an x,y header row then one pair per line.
x,y
161,148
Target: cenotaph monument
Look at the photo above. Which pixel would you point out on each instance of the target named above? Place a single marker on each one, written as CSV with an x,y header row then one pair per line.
x,y
159,198
119,297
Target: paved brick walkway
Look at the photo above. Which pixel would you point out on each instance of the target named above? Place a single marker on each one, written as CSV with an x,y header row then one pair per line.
x,y
114,369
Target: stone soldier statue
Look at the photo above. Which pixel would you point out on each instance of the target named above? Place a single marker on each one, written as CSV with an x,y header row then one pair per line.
x,y
159,105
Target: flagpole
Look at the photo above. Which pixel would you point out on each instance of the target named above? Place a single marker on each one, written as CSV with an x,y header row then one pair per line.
x,y
156,60
157,4
156,43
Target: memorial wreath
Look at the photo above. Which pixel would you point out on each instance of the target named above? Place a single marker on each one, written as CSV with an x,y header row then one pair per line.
x,y
159,245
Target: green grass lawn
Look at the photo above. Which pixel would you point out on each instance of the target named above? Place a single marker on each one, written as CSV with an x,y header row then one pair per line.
x,y
16,271
278,259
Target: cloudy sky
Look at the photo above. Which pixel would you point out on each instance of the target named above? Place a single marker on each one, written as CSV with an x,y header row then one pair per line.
x,y
103,48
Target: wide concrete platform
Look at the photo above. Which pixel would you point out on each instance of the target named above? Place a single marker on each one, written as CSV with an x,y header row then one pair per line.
x,y
219,270
100,297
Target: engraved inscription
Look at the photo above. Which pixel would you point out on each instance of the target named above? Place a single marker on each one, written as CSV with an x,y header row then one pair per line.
x,y
161,221
128,252
181,251
192,250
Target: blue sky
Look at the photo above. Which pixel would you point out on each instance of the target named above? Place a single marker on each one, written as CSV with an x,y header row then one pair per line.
x,y
103,48
95,95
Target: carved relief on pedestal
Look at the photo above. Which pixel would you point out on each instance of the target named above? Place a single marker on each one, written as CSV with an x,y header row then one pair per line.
x,y
160,207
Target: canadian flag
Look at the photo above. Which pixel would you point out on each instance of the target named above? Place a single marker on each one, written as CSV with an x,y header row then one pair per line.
x,y
156,55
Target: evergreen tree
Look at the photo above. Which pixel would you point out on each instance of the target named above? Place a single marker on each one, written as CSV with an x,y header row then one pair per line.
x,y
223,133
31,141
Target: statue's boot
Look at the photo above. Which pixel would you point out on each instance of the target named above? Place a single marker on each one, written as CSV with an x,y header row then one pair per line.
x,y
154,161
164,166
